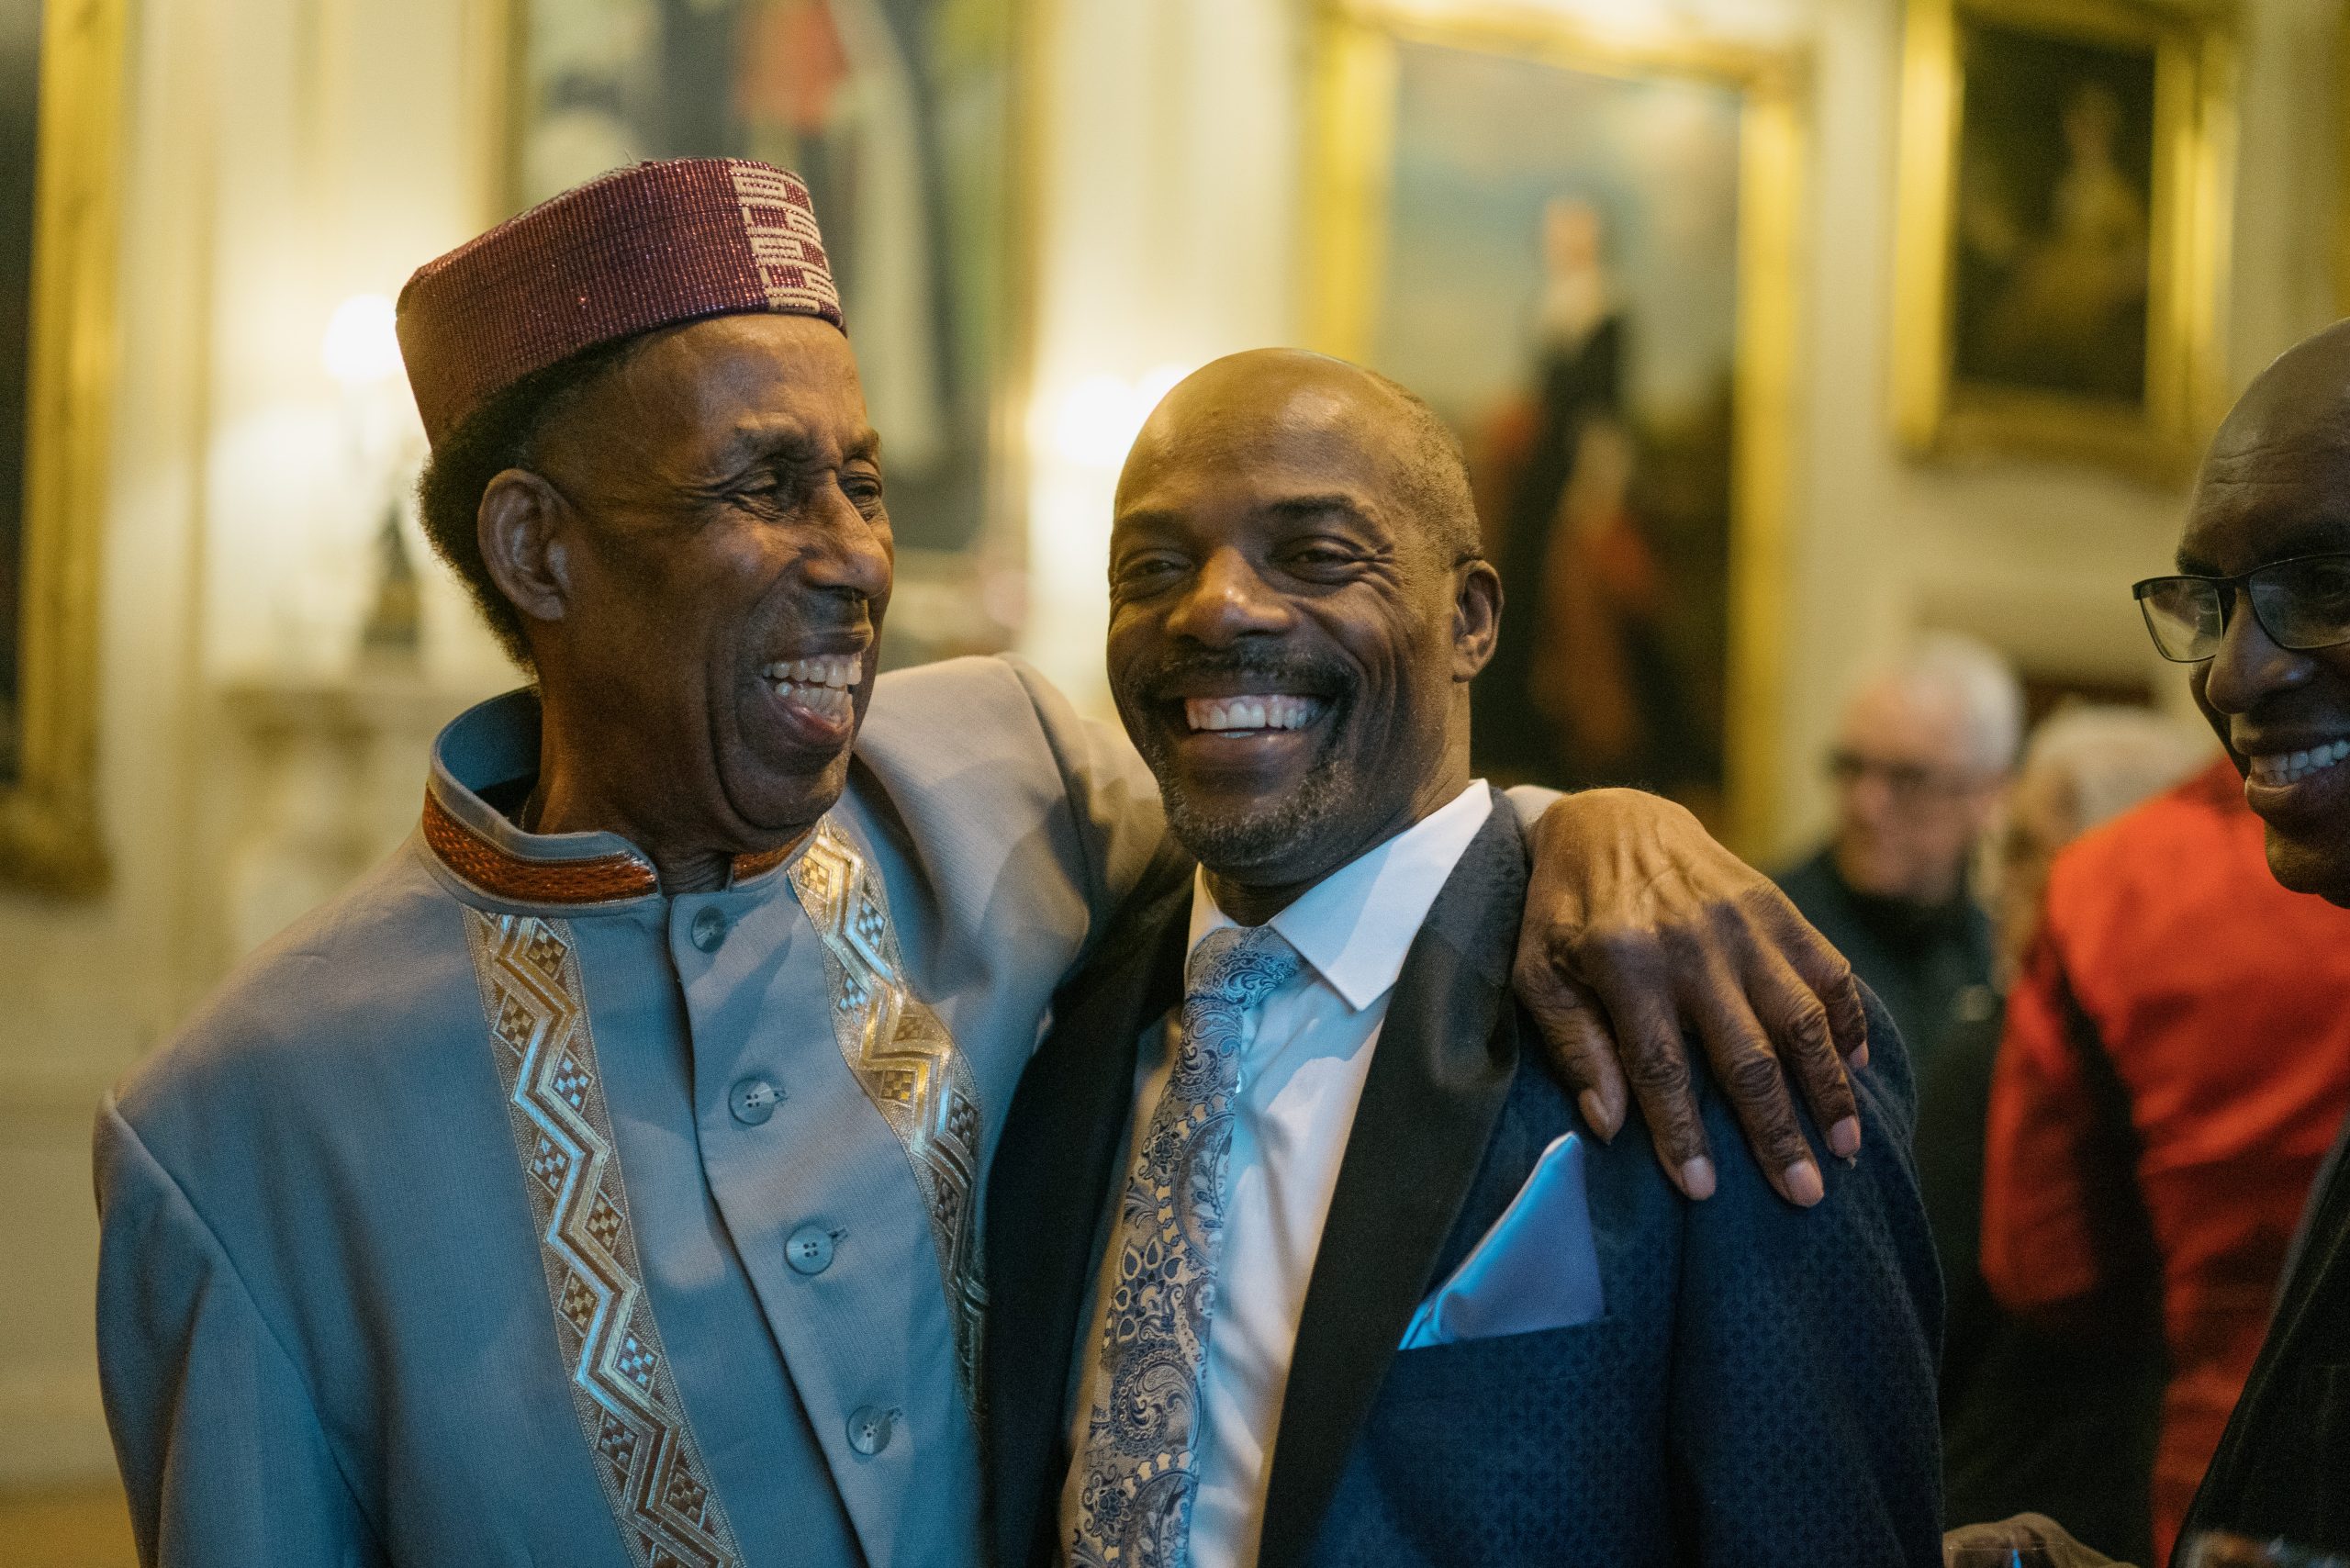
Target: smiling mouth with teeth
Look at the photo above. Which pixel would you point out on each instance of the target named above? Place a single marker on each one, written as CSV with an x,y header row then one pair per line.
x,y
2292,766
821,685
1242,715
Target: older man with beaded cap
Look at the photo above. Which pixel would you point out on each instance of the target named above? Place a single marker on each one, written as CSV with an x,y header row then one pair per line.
x,y
593,1183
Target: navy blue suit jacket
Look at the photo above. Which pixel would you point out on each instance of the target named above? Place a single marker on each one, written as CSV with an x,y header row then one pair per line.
x,y
1759,1390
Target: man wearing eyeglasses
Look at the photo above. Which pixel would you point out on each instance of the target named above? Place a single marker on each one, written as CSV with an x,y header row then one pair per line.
x,y
2269,534
1921,758
2260,613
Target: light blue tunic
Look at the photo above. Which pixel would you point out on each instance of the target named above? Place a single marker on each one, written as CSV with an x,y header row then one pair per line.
x,y
329,1310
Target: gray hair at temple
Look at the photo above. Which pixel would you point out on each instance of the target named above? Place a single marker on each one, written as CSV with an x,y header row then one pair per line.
x,y
1979,684
2109,758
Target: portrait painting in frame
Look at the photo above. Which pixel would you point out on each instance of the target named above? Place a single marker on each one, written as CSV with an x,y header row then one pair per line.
x,y
60,64
903,117
2063,229
1578,253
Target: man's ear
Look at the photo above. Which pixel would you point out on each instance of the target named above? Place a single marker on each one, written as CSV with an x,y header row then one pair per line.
x,y
521,528
1476,618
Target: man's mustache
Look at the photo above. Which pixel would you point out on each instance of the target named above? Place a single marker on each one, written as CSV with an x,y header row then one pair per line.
x,y
1303,674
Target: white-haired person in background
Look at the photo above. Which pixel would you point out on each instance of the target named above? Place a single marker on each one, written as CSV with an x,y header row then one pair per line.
x,y
1922,761
2033,1422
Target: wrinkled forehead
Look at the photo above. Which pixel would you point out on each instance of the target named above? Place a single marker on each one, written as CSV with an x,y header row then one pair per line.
x,y
2277,481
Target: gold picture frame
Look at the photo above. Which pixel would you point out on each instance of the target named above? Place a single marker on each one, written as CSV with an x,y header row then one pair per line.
x,y
1351,162
2154,84
50,836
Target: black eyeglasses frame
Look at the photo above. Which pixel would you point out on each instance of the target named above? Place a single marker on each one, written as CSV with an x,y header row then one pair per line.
x,y
2229,588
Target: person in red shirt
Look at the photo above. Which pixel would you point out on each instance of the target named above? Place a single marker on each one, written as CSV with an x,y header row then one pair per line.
x,y
2176,1063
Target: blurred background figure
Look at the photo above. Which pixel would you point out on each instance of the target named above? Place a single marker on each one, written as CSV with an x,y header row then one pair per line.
x,y
2033,1421
1921,763
2174,1065
1569,423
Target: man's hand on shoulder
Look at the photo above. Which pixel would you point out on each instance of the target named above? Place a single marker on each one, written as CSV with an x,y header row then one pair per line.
x,y
1641,928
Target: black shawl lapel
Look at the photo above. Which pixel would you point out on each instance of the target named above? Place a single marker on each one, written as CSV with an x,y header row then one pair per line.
x,y
1051,1176
1437,1079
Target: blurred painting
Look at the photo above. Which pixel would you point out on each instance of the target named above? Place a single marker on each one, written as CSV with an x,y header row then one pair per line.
x,y
2055,196
61,85
20,114
1560,281
897,113
2052,300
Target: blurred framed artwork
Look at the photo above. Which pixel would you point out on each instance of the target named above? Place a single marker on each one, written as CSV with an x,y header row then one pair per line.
x,y
60,68
2063,222
1579,253
904,118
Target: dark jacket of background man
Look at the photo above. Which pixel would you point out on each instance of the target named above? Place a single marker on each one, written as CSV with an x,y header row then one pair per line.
x,y
1931,965
1797,1345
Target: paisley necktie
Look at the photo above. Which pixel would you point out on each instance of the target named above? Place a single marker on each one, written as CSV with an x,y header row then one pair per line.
x,y
1141,1438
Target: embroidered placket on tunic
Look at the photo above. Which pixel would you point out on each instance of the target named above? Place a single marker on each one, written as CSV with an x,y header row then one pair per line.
x,y
630,1409
621,1387
907,1063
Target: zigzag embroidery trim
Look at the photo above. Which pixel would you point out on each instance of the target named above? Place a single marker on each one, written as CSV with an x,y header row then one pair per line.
x,y
780,229
907,1063
627,1401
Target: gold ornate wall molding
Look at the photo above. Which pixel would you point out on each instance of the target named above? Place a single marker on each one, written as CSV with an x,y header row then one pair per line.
x,y
49,820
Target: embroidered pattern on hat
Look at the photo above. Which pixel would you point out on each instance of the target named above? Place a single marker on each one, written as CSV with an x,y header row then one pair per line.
x,y
779,222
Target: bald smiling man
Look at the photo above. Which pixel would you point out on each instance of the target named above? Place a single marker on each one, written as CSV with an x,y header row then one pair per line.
x,y
1298,1255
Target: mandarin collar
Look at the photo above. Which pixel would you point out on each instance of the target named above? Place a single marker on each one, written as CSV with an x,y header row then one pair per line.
x,y
493,746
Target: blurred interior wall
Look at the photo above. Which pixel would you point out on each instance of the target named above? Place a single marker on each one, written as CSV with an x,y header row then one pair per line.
x,y
286,154
280,156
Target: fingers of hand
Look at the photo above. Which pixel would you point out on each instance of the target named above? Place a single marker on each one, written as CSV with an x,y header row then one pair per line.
x,y
1800,1028
1847,1020
1576,1032
1656,1063
1822,969
1750,1076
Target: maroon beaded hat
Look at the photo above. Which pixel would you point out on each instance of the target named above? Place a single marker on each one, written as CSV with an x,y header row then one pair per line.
x,y
653,245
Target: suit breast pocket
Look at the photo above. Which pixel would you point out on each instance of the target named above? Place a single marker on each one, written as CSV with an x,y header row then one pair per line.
x,y
1476,1368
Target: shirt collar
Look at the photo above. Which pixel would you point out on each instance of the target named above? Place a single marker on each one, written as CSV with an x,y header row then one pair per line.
x,y
1356,924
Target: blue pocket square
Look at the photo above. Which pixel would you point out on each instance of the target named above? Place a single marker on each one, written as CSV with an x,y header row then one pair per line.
x,y
1536,1269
